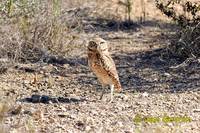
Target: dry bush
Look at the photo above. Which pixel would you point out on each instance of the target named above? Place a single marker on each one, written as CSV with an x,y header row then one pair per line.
x,y
187,15
188,44
128,7
31,30
185,12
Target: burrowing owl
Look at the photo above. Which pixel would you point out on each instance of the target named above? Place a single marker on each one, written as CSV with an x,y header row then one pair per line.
x,y
102,65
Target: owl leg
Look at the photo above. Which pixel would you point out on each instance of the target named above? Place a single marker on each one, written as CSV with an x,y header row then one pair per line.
x,y
112,91
103,91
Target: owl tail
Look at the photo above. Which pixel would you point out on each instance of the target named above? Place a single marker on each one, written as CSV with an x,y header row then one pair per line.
x,y
118,86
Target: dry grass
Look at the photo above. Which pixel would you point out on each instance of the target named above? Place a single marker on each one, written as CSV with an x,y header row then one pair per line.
x,y
32,30
5,106
60,30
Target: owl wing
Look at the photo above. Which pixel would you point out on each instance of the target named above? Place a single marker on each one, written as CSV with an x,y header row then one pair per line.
x,y
108,64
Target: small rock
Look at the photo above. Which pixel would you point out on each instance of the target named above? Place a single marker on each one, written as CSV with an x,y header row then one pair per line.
x,y
38,115
64,114
196,110
17,110
28,112
26,81
45,99
87,128
35,98
145,94
167,74
80,125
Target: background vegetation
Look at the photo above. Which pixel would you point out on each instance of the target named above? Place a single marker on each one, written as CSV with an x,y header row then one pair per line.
x,y
187,15
32,29
43,32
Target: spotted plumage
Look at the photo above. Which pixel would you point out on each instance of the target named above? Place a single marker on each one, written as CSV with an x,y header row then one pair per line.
x,y
102,64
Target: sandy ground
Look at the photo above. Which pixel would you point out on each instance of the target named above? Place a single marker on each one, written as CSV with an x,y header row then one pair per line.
x,y
62,95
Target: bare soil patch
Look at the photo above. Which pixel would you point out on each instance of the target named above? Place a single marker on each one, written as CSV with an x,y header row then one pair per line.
x,y
62,94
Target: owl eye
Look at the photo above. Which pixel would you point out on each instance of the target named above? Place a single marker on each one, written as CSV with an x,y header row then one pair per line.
x,y
92,43
102,42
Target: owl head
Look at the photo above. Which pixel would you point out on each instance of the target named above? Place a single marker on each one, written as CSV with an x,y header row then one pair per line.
x,y
97,45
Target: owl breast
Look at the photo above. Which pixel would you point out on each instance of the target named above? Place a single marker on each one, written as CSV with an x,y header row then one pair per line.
x,y
95,64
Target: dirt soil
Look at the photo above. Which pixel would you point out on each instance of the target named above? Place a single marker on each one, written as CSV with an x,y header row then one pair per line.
x,y
62,95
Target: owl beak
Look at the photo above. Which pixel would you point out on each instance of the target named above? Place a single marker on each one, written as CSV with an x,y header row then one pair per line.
x,y
98,48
